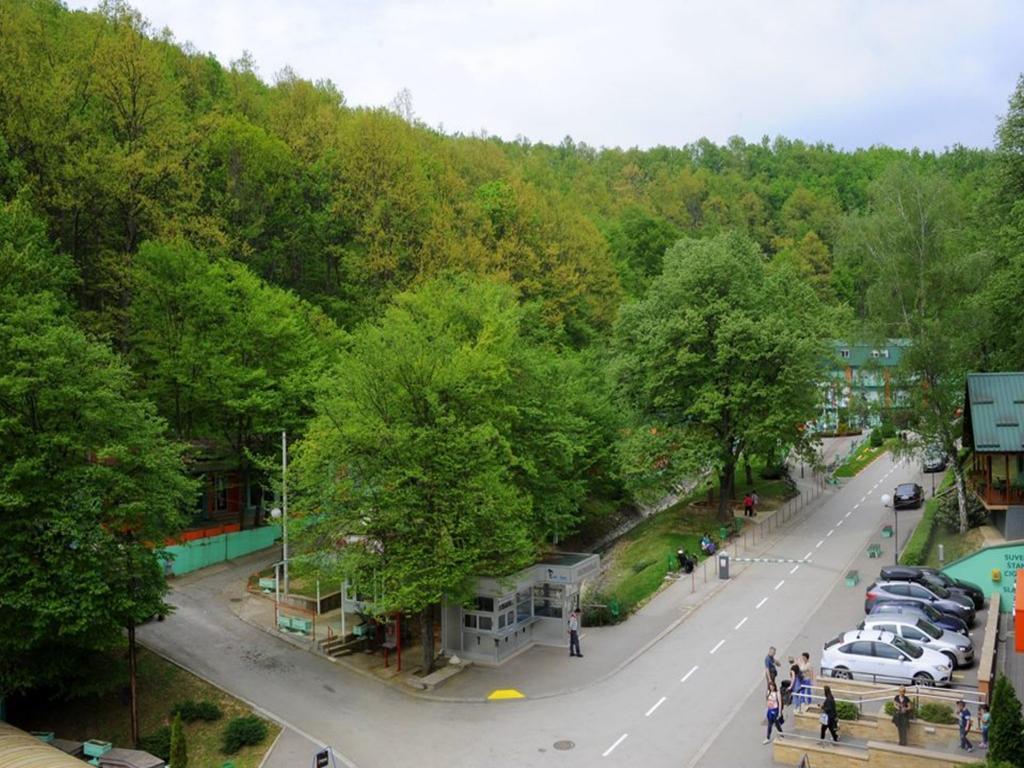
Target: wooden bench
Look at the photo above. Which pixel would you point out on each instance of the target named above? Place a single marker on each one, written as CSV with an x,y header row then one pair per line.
x,y
852,578
874,550
295,624
887,532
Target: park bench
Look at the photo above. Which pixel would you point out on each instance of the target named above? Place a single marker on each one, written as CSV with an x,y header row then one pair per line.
x,y
852,578
294,624
875,550
887,532
266,585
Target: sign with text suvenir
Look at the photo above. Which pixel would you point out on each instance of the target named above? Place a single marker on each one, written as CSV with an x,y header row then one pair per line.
x,y
979,567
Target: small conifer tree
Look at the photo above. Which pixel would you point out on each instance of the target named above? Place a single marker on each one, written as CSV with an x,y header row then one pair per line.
x,y
1006,729
179,752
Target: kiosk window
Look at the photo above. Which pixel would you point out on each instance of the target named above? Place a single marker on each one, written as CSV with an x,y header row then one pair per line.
x,y
501,621
469,620
524,606
547,600
484,604
485,623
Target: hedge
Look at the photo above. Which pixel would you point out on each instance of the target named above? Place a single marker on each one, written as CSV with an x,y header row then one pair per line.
x,y
920,543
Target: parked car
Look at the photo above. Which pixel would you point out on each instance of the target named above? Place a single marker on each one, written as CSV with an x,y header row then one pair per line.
x,y
934,576
957,648
885,606
958,605
870,654
907,495
934,460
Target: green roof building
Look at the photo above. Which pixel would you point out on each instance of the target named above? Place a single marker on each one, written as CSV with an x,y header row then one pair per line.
x,y
860,383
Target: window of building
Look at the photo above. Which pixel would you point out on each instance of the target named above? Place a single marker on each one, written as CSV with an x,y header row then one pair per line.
x,y
485,623
501,621
885,353
469,621
484,604
524,606
844,353
874,353
547,600
220,493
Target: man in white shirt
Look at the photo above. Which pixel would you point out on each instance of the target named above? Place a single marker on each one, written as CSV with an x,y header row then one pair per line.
x,y
574,634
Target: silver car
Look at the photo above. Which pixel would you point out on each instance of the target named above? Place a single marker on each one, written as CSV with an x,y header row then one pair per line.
x,y
957,648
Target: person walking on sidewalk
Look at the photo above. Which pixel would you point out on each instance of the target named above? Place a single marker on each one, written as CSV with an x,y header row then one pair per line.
x,y
770,670
984,718
574,635
748,505
901,717
963,716
807,671
773,713
829,716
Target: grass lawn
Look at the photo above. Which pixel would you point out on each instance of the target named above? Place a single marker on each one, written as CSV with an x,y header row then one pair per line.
x,y
863,456
954,546
161,685
638,562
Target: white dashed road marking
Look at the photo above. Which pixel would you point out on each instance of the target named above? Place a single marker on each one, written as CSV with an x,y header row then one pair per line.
x,y
618,741
719,645
651,710
686,677
779,585
839,523
830,533
763,601
742,622
819,543
808,555
795,567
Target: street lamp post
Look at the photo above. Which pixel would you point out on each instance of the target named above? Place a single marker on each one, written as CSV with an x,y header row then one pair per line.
x,y
283,511
887,501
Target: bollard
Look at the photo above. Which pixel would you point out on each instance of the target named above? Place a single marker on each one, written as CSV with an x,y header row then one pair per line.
x,y
693,581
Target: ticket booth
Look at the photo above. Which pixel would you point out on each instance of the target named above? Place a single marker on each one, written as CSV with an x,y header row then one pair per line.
x,y
507,616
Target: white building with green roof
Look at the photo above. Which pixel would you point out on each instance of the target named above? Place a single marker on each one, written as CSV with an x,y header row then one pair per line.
x,y
861,383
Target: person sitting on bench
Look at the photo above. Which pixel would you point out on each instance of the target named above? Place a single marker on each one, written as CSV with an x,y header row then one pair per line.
x,y
685,563
707,546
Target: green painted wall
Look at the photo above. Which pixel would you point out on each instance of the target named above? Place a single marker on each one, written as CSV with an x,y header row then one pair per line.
x,y
977,568
193,555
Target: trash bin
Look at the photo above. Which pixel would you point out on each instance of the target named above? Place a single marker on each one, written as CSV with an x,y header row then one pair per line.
x,y
723,565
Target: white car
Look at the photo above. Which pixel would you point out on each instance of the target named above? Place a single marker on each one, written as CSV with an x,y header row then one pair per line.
x,y
919,631
870,654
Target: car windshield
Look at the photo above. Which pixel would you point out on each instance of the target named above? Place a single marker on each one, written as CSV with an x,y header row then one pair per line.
x,y
939,591
911,650
905,490
929,629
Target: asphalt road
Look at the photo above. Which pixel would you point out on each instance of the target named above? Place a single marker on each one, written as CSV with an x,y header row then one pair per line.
x,y
692,699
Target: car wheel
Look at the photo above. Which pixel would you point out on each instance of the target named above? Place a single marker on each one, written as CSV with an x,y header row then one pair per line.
x,y
952,658
842,673
923,678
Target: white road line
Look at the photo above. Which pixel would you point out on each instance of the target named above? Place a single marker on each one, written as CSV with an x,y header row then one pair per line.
x,y
862,499
779,585
720,644
808,555
763,601
839,523
651,710
856,505
618,741
794,570
686,677
830,533
742,622
848,514
819,543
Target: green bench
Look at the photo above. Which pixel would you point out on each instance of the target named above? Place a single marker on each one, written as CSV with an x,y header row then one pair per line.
x,y
852,578
887,532
875,550
267,585
294,624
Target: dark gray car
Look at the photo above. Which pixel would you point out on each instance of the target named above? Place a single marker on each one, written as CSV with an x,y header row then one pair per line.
x,y
958,605
885,606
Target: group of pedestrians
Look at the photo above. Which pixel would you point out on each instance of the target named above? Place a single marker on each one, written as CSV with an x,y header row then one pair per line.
x,y
750,502
794,691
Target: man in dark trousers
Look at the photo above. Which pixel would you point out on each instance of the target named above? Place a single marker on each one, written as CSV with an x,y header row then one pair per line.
x,y
574,634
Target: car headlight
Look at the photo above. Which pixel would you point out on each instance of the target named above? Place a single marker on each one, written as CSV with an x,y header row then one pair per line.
x,y
942,667
963,648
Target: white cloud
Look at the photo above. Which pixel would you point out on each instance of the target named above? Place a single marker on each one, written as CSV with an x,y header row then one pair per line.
x,y
898,72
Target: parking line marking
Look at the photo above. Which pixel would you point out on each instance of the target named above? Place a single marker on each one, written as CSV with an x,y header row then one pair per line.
x,y
618,741
742,622
794,570
808,555
830,533
686,677
819,543
651,710
720,644
763,601
779,585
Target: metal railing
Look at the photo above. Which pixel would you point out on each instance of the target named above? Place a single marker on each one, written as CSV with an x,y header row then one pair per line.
x,y
942,695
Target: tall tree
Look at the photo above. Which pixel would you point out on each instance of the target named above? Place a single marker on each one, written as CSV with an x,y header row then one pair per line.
x,y
722,350
909,257
410,455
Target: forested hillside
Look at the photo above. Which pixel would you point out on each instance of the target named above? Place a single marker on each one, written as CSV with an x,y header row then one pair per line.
x,y
247,253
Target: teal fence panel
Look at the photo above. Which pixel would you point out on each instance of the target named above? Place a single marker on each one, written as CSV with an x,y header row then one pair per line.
x,y
202,553
1004,559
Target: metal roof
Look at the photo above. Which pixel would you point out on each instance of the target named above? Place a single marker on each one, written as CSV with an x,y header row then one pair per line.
x,y
22,750
994,416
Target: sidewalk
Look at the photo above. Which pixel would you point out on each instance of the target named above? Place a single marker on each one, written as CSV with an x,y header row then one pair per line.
x,y
542,671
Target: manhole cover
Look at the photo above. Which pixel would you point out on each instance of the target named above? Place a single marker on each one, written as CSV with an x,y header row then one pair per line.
x,y
564,744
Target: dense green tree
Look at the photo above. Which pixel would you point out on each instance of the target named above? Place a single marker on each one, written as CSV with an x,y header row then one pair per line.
x,y
88,485
179,749
723,351
907,257
1006,730
409,458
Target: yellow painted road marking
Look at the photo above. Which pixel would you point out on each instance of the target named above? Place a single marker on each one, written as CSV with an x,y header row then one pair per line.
x,y
505,693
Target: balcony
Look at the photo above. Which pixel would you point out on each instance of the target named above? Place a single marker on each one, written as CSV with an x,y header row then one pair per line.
x,y
998,480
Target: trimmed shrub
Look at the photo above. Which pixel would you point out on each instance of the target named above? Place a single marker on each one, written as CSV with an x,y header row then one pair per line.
x,y
933,712
887,429
847,710
158,743
179,750
916,551
1005,736
243,732
191,711
876,438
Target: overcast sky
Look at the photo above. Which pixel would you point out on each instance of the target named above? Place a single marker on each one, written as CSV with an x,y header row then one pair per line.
x,y
905,73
